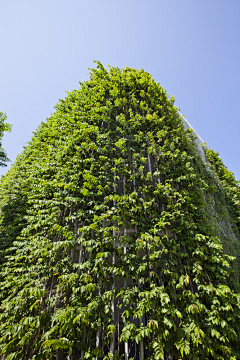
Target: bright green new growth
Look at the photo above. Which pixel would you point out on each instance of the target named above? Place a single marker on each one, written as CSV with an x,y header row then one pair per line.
x,y
112,187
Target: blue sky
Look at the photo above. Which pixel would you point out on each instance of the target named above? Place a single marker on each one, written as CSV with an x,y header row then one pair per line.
x,y
191,47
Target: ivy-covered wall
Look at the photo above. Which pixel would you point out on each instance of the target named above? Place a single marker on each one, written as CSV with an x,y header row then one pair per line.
x,y
117,239
223,205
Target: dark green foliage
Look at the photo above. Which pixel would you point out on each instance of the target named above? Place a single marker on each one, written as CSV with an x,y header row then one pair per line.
x,y
226,198
229,184
4,126
79,187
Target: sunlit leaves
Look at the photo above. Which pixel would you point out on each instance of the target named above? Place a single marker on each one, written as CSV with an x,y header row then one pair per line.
x,y
83,193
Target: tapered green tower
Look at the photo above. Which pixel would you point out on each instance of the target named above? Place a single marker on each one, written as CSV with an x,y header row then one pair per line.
x,y
119,233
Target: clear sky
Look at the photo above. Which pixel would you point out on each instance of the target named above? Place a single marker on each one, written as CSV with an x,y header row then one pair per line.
x,y
191,47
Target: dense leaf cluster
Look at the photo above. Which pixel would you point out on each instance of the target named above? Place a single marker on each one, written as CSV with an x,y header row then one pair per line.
x,y
226,211
110,202
4,126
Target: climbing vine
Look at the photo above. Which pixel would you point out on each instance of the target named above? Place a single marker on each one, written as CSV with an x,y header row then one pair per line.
x,y
226,215
116,235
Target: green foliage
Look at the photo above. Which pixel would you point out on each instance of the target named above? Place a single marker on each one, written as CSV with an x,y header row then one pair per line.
x,y
226,199
229,184
82,194
4,126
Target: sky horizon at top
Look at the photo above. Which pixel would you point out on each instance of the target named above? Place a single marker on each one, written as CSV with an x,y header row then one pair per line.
x,y
191,48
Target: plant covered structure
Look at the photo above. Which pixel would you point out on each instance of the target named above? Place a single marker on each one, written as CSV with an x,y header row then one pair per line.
x,y
118,241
